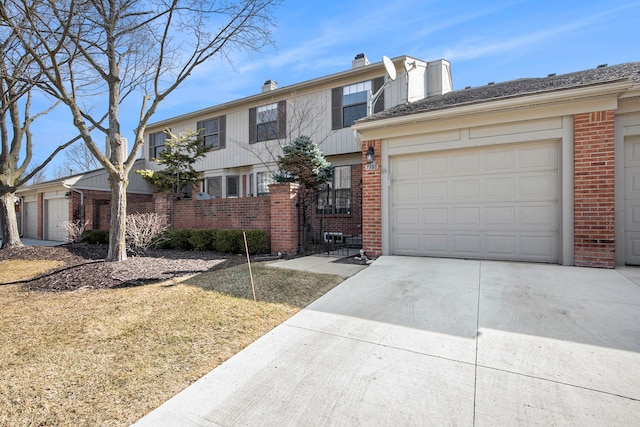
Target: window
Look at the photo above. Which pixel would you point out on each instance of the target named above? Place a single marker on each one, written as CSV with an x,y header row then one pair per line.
x,y
264,179
214,187
250,186
233,186
212,132
355,102
268,122
156,144
336,197
350,103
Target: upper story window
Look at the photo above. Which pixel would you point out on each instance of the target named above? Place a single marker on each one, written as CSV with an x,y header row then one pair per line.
x,y
268,122
350,103
212,132
355,102
156,144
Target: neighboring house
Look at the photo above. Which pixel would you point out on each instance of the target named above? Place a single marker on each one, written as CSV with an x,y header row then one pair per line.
x,y
246,135
84,197
537,169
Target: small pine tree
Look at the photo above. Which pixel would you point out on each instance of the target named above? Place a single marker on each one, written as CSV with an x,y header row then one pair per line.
x,y
179,154
303,161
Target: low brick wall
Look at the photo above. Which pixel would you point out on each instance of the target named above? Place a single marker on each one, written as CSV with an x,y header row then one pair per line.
x,y
241,213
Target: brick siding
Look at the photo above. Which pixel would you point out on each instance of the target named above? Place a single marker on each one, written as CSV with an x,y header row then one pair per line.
x,y
372,203
594,184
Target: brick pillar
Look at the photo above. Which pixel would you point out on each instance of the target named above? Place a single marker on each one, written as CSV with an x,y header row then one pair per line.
x,y
284,217
163,205
372,201
594,183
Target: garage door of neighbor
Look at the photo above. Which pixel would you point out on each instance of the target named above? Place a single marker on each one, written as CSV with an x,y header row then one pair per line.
x,y
56,211
31,220
498,202
632,201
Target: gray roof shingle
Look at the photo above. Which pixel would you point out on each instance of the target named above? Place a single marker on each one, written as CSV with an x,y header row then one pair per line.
x,y
515,88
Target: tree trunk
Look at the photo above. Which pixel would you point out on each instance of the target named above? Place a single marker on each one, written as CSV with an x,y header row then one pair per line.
x,y
10,233
118,225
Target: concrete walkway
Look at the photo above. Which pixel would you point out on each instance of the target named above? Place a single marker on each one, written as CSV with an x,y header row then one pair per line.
x,y
425,341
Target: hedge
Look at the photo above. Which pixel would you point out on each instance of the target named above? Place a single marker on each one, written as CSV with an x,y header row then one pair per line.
x,y
229,241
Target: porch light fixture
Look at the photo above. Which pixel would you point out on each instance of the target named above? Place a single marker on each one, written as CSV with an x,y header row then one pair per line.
x,y
370,155
67,195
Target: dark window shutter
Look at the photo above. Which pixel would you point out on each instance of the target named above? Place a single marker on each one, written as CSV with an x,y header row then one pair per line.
x,y
151,146
222,130
282,119
253,128
336,108
377,83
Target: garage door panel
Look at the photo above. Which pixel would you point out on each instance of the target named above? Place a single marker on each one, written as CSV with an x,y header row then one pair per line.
x,y
499,188
407,192
435,216
538,247
465,189
465,162
500,215
434,191
484,206
540,186
502,159
632,201
632,182
56,211
31,220
408,168
466,244
539,157
409,217
501,246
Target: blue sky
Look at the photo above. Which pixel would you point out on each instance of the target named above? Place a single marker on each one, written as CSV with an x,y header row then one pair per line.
x,y
490,41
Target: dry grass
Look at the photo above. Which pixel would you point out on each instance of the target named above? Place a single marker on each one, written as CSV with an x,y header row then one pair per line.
x,y
108,357
18,269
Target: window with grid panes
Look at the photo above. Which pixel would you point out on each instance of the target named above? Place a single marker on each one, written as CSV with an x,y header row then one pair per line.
x,y
336,196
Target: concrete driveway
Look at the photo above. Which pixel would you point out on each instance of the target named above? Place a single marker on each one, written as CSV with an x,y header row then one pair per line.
x,y
426,341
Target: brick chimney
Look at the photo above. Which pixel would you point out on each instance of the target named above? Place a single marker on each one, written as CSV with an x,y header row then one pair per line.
x,y
269,85
359,61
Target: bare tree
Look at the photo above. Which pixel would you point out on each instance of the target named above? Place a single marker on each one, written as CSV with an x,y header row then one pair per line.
x,y
78,158
17,77
94,54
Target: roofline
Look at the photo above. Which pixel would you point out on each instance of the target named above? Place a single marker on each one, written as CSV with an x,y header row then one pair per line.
x,y
616,87
307,84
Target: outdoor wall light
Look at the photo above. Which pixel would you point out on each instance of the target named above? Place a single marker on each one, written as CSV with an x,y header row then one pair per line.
x,y
370,155
67,195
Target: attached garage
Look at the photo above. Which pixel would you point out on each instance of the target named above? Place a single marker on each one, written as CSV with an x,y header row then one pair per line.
x,y
632,201
496,202
56,211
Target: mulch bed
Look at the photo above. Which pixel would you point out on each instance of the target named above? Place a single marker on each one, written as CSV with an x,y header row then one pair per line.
x,y
85,266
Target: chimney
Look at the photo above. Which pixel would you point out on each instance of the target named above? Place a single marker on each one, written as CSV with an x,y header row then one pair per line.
x,y
359,61
269,85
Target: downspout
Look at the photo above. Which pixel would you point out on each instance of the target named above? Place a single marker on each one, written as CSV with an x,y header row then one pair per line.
x,y
81,201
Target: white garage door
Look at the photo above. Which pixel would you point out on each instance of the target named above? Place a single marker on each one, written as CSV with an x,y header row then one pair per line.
x,y
31,220
56,211
484,203
632,202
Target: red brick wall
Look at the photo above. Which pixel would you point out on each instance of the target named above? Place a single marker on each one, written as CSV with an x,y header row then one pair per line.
x,y
40,215
372,202
284,217
233,213
97,207
594,182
